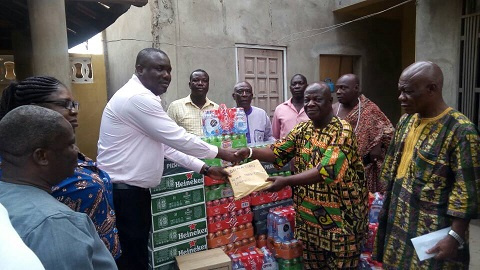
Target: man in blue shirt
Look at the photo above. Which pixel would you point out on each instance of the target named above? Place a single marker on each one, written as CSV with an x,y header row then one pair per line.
x,y
38,150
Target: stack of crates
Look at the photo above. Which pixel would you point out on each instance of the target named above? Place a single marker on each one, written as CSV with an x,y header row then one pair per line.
x,y
179,224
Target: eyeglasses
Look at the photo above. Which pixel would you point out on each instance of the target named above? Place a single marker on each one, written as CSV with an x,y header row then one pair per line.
x,y
246,92
67,104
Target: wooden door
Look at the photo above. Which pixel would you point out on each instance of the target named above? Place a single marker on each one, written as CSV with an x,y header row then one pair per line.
x,y
263,69
334,66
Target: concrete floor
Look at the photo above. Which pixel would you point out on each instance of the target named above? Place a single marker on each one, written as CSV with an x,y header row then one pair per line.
x,y
474,244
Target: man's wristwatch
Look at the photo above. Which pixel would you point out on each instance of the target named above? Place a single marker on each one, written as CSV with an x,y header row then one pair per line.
x,y
205,169
457,237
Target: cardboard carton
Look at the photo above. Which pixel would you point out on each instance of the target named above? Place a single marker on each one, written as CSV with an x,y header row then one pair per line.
x,y
166,254
176,199
178,216
178,233
213,259
176,181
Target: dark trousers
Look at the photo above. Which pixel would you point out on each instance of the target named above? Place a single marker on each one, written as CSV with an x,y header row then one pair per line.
x,y
134,219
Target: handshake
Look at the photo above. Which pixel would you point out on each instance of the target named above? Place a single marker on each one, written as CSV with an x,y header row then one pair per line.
x,y
237,155
234,155
231,155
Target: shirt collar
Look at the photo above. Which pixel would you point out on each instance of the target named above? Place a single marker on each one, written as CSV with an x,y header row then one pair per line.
x,y
290,104
188,99
141,88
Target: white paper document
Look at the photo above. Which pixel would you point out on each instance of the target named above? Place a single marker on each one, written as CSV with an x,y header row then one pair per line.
x,y
427,241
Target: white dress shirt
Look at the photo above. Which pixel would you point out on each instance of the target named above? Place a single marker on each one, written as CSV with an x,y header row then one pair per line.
x,y
14,254
135,135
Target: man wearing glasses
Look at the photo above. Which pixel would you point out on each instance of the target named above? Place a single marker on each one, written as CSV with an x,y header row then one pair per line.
x,y
258,122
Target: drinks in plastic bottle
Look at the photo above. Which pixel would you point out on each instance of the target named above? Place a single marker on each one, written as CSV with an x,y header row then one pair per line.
x,y
240,125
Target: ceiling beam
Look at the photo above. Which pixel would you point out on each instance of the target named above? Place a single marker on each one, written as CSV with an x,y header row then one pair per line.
x,y
137,3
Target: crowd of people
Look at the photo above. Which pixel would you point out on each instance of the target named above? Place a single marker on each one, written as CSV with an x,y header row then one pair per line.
x,y
68,212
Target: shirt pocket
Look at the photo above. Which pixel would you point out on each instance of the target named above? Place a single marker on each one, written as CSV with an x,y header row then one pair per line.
x,y
430,179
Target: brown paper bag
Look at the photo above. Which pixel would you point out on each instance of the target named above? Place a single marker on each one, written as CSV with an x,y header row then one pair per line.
x,y
247,178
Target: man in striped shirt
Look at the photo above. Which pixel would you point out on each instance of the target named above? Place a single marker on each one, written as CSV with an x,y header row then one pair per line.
x,y
187,112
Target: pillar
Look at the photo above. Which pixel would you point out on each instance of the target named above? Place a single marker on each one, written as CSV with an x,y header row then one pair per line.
x,y
437,39
49,39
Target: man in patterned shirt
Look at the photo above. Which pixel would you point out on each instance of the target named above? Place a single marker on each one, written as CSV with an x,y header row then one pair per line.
x,y
432,170
187,112
330,191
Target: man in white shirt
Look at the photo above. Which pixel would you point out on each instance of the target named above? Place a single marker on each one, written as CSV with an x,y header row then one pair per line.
x,y
135,136
14,254
258,122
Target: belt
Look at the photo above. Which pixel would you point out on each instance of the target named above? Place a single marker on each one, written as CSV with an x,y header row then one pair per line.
x,y
125,186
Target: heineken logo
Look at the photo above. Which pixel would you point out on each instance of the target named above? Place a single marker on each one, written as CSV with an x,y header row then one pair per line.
x,y
189,175
188,182
193,248
193,232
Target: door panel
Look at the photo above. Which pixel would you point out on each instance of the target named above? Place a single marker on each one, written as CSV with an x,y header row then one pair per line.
x,y
334,66
263,69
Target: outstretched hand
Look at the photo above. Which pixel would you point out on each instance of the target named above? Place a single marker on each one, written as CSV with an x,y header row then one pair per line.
x,y
446,248
278,182
218,173
229,155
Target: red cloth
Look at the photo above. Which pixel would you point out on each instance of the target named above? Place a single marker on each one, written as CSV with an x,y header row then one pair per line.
x,y
372,129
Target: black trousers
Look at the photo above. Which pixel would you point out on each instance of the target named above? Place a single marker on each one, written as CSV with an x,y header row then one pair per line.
x,y
134,219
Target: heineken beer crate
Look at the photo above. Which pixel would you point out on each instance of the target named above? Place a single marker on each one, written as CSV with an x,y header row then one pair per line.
x,y
172,182
178,216
170,167
176,199
178,233
165,266
270,168
165,255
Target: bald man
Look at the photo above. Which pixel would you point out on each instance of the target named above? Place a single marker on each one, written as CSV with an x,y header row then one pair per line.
x,y
432,168
373,129
258,122
330,191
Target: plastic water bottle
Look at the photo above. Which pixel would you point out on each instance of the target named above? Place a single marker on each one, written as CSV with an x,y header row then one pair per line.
x,y
270,221
377,205
237,265
283,229
211,124
269,262
240,121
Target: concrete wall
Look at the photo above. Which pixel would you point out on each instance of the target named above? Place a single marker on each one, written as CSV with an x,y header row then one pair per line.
x,y
438,40
122,41
203,34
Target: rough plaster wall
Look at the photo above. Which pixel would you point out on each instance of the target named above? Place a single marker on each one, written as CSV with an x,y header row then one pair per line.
x,y
438,40
203,33
123,40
